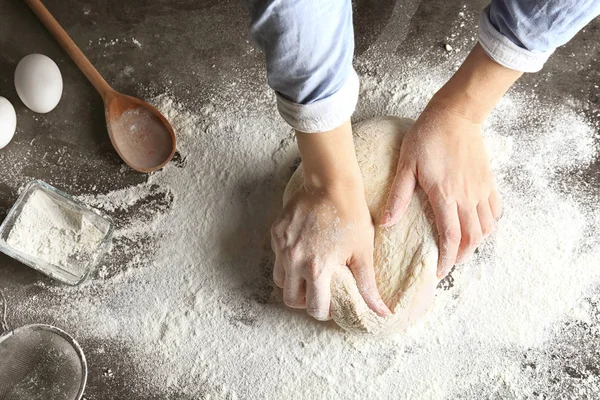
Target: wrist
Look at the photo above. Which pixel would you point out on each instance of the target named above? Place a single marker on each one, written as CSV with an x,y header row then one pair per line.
x,y
455,106
319,182
329,160
476,87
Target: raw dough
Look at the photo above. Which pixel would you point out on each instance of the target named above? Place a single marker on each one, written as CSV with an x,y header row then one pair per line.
x,y
405,255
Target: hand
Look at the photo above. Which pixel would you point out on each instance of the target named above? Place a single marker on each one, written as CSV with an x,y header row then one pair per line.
x,y
315,233
324,225
444,152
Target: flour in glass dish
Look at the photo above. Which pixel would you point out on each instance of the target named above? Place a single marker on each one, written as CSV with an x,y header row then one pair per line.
x,y
54,233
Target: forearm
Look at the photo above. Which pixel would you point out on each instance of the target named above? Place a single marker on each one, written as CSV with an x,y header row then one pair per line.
x,y
476,87
329,160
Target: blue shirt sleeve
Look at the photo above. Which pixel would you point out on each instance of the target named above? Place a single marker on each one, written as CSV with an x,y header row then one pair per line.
x,y
523,34
309,46
541,25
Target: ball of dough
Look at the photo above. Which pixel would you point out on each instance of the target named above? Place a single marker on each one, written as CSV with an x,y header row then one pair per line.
x,y
405,258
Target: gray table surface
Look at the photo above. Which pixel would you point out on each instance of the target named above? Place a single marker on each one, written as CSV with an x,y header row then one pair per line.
x,y
185,39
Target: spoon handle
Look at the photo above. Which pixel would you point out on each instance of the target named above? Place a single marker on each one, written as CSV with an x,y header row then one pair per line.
x,y
70,47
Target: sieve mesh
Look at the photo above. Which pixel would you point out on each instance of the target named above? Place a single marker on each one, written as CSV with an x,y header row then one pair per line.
x,y
40,362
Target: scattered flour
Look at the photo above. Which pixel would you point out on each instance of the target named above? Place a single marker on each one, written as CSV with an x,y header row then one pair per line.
x,y
107,42
201,313
192,307
136,42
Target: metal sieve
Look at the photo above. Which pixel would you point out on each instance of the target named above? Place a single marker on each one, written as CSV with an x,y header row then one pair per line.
x,y
40,362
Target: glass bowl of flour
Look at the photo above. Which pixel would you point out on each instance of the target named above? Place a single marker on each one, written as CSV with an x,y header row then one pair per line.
x,y
55,233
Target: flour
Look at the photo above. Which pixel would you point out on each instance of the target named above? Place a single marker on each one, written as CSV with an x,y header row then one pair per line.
x,y
197,309
192,298
56,234
186,296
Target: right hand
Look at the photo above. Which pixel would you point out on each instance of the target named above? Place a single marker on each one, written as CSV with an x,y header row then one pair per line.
x,y
325,224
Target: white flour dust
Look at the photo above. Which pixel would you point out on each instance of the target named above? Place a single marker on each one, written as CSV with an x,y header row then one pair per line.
x,y
187,291
56,234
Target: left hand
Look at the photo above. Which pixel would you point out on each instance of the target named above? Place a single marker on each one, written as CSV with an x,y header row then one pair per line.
x,y
444,153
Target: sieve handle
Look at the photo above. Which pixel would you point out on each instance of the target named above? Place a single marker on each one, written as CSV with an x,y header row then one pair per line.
x,y
3,312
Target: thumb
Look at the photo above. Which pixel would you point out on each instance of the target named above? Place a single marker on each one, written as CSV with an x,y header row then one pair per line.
x,y
365,280
400,195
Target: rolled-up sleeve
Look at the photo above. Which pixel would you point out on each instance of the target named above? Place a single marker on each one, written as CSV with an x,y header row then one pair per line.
x,y
309,47
522,34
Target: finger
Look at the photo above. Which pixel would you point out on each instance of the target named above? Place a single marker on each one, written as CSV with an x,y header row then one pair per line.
x,y
318,298
276,234
278,272
364,274
400,195
470,233
495,204
294,291
278,269
486,218
448,224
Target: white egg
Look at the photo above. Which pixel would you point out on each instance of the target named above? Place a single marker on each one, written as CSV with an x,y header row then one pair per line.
x,y
38,82
8,122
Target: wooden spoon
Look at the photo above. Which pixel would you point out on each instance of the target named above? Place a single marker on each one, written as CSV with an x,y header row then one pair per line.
x,y
140,134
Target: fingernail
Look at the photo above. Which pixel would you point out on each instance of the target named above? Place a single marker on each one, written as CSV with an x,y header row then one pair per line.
x,y
387,216
383,308
444,273
440,270
320,316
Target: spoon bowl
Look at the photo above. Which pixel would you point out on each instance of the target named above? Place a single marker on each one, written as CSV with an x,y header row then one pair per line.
x,y
140,134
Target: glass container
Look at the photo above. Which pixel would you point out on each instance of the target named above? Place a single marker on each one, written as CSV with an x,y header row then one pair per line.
x,y
55,234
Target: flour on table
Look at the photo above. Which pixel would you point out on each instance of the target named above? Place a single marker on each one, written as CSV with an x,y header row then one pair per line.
x,y
405,255
193,313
